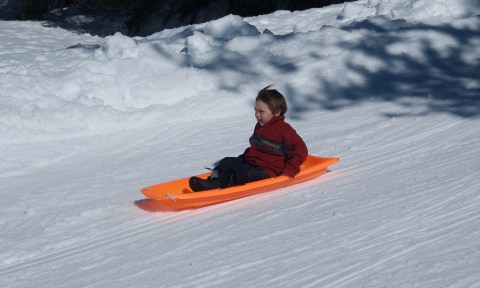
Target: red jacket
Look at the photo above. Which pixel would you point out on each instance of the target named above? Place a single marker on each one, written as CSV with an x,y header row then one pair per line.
x,y
277,148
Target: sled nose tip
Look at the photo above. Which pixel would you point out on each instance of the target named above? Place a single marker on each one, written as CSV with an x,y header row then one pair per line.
x,y
146,191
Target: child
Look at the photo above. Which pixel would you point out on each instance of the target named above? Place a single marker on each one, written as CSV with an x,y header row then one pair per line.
x,y
275,148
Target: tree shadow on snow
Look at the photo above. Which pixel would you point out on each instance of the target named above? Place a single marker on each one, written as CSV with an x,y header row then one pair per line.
x,y
441,81
432,75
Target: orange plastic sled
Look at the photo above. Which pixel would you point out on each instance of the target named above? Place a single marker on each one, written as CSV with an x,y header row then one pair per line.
x,y
178,195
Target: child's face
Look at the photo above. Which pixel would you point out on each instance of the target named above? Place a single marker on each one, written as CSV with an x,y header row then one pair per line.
x,y
263,113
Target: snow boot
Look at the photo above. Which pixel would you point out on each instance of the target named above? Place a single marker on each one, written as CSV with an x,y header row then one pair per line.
x,y
198,184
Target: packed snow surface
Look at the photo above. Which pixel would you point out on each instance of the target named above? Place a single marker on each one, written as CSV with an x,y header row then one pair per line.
x,y
390,87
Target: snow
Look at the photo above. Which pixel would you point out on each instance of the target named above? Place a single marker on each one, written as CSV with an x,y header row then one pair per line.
x,y
389,87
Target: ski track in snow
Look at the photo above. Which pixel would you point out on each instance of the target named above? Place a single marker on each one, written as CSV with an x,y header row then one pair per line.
x,y
118,238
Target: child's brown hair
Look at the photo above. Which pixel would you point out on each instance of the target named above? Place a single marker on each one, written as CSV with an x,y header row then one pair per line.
x,y
274,100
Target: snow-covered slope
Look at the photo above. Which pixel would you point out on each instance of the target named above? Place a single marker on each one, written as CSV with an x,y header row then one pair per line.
x,y
392,89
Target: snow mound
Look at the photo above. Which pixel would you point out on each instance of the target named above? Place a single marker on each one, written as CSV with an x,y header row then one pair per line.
x,y
202,49
120,46
229,27
212,43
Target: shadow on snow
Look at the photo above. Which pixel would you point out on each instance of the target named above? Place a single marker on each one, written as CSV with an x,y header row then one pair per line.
x,y
421,79
439,82
428,77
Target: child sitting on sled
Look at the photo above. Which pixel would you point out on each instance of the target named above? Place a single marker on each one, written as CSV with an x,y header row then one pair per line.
x,y
275,148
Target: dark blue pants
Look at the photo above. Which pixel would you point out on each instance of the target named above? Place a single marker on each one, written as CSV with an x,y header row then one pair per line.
x,y
236,171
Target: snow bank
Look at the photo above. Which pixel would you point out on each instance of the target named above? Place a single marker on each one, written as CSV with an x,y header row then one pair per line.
x,y
282,22
229,27
212,43
93,87
67,85
423,10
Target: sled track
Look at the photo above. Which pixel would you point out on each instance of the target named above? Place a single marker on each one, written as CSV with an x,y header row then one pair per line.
x,y
395,151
